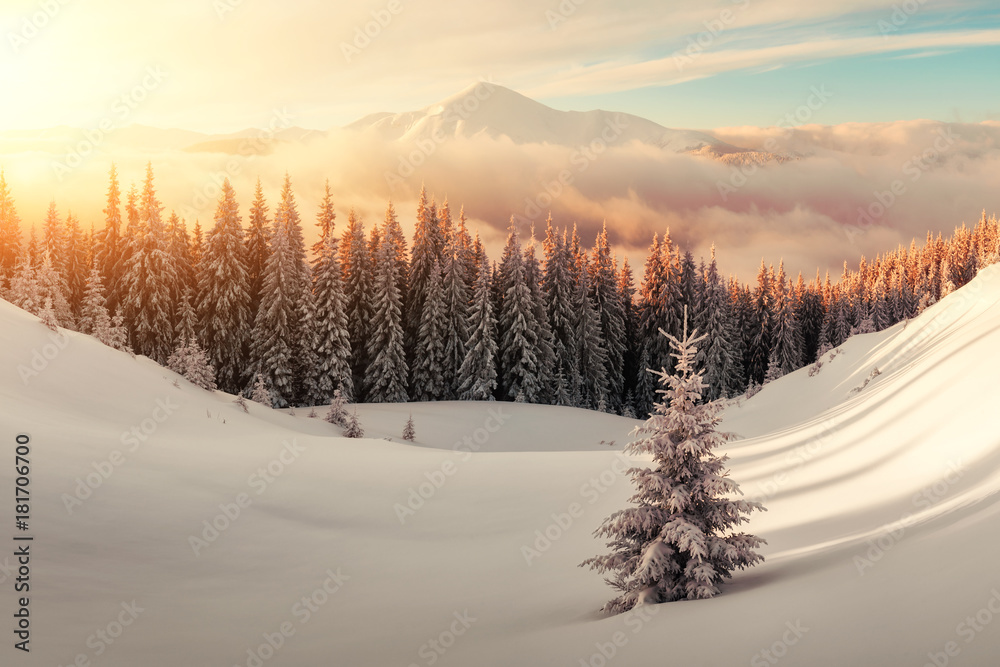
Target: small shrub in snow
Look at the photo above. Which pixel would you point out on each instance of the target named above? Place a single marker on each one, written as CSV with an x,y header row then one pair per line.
x,y
354,429
338,409
242,402
408,431
260,394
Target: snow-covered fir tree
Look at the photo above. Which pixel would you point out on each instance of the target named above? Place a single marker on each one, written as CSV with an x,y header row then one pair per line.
x,y
224,295
353,428
148,279
520,333
409,432
333,340
10,233
192,362
94,314
273,334
337,414
592,356
260,393
429,381
387,372
677,541
355,264
457,296
478,375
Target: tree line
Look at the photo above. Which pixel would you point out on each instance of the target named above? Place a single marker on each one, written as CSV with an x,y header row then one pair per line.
x,y
387,319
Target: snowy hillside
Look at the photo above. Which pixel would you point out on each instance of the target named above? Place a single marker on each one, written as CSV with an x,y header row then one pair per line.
x,y
225,538
494,111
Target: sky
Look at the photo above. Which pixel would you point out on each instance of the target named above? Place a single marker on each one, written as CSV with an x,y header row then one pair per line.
x,y
226,64
894,75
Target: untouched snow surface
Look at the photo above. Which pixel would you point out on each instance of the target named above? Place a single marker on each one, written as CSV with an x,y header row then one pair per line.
x,y
882,523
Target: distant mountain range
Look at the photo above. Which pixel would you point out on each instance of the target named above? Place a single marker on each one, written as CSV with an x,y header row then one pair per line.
x,y
483,109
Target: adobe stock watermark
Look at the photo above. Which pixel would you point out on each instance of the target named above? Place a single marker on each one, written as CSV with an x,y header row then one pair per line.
x,y
562,522
105,637
121,110
580,159
205,195
707,37
365,34
42,357
968,629
741,175
434,480
131,440
562,12
425,147
225,7
606,651
302,612
925,499
910,172
434,648
771,655
258,481
900,16
33,24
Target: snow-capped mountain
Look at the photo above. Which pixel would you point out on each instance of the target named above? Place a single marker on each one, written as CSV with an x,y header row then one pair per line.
x,y
488,109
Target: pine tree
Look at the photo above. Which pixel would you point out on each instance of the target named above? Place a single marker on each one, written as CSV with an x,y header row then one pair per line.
x,y
52,288
559,291
272,341
24,292
429,381
357,271
723,374
260,393
75,262
409,433
591,353
10,233
110,242
387,371
428,244
258,246
786,350
677,543
148,279
338,410
546,352
761,325
191,361
519,344
478,375
224,295
48,315
333,342
94,314
354,429
456,319
609,308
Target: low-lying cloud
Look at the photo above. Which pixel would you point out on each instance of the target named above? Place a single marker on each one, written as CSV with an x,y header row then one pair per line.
x,y
849,189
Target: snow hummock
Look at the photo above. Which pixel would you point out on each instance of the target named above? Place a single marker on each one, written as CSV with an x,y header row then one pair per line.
x,y
882,522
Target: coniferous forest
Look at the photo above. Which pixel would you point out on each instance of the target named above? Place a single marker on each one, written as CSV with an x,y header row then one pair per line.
x,y
245,306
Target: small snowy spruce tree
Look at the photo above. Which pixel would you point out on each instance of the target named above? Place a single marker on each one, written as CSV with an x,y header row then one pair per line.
x,y
354,429
677,542
338,410
261,394
409,433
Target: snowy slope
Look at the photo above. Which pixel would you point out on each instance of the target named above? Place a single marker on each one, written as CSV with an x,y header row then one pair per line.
x,y
882,522
488,109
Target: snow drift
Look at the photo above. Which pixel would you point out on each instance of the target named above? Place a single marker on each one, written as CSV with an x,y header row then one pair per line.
x,y
264,538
